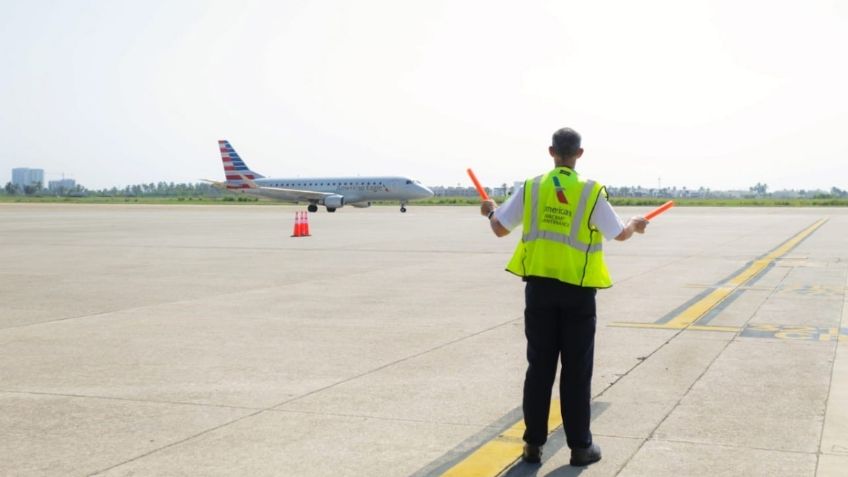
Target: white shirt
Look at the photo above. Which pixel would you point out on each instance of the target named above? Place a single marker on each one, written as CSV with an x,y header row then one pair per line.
x,y
604,218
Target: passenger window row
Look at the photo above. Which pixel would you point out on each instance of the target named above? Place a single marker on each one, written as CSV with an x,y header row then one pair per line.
x,y
321,184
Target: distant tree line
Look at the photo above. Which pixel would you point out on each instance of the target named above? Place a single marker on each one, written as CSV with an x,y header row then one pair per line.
x,y
161,189
202,189
158,189
16,189
759,190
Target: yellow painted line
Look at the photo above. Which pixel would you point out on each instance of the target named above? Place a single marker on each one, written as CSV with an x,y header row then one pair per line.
x,y
654,326
665,326
496,455
688,317
499,453
726,329
704,287
704,305
831,333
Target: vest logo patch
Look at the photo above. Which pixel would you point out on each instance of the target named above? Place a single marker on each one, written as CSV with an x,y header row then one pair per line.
x,y
560,191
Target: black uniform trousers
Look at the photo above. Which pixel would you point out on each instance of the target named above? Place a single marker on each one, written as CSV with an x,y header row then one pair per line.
x,y
559,322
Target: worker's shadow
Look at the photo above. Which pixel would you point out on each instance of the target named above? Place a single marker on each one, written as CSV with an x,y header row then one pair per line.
x,y
523,469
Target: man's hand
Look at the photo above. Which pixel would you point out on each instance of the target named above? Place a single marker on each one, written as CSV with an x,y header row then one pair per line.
x,y
487,206
639,224
635,224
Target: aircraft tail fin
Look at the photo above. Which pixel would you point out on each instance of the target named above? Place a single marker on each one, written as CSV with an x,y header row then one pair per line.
x,y
239,176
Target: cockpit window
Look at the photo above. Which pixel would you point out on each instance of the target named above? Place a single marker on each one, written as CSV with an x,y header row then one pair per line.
x,y
408,181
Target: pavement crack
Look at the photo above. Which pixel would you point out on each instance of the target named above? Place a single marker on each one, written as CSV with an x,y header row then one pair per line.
x,y
234,293
842,324
700,254
695,381
122,399
398,361
384,418
274,407
677,404
181,441
721,446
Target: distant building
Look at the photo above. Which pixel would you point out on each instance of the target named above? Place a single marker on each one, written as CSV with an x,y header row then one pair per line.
x,y
61,185
458,191
23,176
786,194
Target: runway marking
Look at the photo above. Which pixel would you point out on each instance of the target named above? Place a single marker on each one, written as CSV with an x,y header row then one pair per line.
x,y
688,315
794,332
781,332
794,289
499,453
494,456
812,290
463,452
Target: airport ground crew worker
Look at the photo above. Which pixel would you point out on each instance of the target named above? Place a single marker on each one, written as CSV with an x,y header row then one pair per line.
x,y
565,219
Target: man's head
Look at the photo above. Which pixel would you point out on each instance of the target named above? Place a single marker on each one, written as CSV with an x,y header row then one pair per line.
x,y
565,147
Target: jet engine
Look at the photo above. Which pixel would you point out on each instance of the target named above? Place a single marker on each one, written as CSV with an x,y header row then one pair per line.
x,y
334,201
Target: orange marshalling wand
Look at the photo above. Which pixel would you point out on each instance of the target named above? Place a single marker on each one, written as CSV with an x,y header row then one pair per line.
x,y
650,215
480,189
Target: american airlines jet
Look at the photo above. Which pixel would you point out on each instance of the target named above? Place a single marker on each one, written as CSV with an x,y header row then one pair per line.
x,y
331,192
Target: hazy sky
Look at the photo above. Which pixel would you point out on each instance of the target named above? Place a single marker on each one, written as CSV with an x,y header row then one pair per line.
x,y
720,94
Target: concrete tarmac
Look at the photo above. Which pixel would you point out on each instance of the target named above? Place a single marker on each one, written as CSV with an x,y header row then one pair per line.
x,y
204,340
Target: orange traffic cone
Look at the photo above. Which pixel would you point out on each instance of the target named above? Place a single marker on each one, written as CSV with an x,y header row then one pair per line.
x,y
297,226
305,224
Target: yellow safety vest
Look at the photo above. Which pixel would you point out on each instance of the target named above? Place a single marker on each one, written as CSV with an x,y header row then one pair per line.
x,y
557,241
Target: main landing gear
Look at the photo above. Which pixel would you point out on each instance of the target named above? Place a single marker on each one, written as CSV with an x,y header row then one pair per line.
x,y
313,207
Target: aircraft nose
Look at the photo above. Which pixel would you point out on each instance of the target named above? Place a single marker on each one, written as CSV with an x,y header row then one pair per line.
x,y
425,191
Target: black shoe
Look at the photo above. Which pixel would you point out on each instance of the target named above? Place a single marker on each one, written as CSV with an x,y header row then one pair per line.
x,y
532,454
583,457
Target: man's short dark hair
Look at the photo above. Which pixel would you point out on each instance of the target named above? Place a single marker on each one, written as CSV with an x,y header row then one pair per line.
x,y
566,142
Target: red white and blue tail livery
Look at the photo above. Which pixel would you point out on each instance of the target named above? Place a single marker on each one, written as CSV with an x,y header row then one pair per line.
x,y
331,192
234,168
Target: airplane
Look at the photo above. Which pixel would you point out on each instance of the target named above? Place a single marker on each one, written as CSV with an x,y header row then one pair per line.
x,y
331,192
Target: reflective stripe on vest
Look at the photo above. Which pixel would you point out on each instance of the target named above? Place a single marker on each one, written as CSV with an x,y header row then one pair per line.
x,y
560,243
573,240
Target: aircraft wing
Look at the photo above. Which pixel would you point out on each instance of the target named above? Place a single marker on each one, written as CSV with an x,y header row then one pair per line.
x,y
279,193
291,194
216,184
